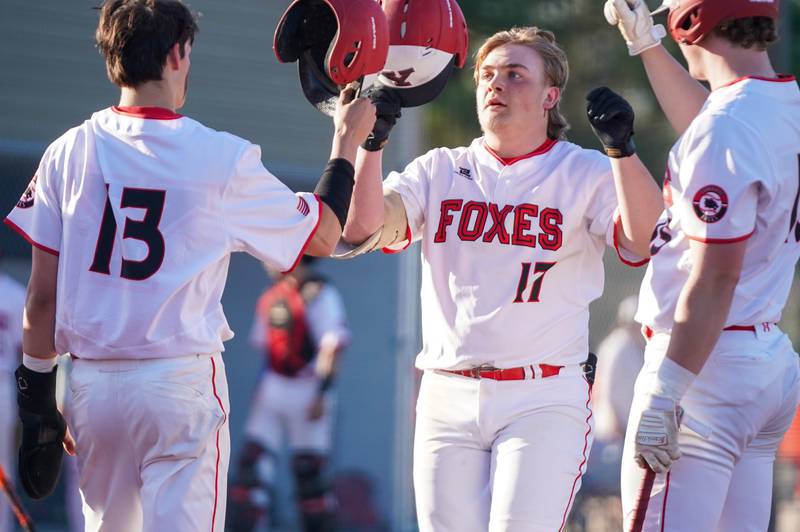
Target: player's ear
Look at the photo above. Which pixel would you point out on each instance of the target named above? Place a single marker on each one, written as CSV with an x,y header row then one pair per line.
x,y
551,98
174,56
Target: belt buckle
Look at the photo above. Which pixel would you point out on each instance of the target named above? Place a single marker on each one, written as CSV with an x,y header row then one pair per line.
x,y
476,371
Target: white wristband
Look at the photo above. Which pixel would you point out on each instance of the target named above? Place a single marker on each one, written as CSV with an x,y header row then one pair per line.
x,y
39,365
672,380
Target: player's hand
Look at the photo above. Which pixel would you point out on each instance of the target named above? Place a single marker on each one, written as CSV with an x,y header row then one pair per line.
x,y
354,117
317,408
611,118
633,19
387,102
656,444
43,431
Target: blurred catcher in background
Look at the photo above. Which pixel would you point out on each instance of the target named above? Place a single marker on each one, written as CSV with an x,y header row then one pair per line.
x,y
300,327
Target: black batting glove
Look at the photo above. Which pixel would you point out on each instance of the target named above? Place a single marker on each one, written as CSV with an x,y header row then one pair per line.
x,y
387,102
43,429
611,117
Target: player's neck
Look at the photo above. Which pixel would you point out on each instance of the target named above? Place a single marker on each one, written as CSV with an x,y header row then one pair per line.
x,y
509,146
150,94
737,63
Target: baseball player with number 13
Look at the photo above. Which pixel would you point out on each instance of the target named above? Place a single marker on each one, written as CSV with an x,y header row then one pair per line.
x,y
133,216
723,259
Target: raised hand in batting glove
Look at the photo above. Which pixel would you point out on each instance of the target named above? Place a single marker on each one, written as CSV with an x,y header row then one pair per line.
x,y
611,118
387,102
656,444
43,431
635,23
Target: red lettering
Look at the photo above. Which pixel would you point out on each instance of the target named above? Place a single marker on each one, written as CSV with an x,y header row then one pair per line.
x,y
550,221
498,227
445,218
522,223
464,232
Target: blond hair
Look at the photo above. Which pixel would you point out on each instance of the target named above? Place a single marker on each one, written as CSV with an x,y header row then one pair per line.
x,y
556,67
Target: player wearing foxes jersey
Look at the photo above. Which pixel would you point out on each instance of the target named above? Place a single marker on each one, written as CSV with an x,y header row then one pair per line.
x,y
513,229
133,216
723,258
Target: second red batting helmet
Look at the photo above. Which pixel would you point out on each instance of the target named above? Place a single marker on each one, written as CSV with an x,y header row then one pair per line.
x,y
690,21
427,40
335,42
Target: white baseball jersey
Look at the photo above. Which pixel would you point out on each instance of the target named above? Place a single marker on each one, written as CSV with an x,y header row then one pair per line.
x,y
733,175
143,207
512,252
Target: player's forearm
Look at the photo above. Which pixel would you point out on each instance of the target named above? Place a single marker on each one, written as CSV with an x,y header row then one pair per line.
x,y
681,97
700,316
366,213
39,325
640,203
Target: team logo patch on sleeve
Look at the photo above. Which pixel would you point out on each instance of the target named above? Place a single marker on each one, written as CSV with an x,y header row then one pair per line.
x,y
302,206
710,203
26,201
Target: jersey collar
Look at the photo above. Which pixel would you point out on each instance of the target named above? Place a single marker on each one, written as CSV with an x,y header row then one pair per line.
x,y
153,113
780,78
545,147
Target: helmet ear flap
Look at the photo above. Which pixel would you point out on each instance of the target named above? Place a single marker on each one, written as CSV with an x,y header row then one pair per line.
x,y
289,39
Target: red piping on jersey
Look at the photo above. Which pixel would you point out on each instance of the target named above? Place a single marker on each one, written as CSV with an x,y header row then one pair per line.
x,y
310,236
721,240
31,241
390,251
781,78
546,146
583,463
664,506
153,113
618,227
224,416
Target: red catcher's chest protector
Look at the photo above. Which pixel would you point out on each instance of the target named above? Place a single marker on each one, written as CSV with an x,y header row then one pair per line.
x,y
289,347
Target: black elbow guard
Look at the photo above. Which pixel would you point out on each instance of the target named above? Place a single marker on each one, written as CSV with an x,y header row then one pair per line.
x,y
335,187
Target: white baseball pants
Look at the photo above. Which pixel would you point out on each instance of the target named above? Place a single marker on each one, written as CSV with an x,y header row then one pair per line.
x,y
280,409
152,443
747,393
502,456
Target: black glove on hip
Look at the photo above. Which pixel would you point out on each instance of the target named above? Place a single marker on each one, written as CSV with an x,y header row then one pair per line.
x,y
388,103
43,429
611,117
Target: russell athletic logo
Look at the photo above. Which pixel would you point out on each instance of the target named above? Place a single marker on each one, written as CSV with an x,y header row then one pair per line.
x,y
710,203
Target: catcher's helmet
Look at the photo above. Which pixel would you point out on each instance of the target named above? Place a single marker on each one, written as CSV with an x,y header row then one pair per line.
x,y
690,21
428,38
335,42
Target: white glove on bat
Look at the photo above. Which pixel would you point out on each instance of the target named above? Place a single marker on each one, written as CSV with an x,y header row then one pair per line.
x,y
634,21
657,434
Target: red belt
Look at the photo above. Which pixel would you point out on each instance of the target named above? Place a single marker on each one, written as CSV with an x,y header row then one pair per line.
x,y
648,333
509,374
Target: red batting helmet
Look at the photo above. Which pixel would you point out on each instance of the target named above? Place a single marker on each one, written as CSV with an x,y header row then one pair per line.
x,y
335,42
690,21
428,38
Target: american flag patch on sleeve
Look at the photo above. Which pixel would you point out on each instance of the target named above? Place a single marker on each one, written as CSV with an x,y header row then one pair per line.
x,y
302,206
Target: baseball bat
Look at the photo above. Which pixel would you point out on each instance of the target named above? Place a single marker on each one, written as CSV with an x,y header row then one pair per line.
x,y
642,500
22,516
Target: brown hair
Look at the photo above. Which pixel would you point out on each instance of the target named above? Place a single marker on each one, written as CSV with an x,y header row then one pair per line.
x,y
748,32
556,67
135,37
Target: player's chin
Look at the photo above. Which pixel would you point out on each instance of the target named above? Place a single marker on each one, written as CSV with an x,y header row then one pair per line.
x,y
493,118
